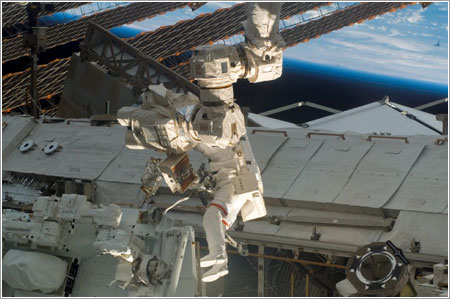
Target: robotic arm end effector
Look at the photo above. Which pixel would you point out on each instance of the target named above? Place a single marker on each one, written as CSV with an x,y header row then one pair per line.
x,y
257,59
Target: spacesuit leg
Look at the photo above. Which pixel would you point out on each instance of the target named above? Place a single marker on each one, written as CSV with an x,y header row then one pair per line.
x,y
215,235
219,216
214,226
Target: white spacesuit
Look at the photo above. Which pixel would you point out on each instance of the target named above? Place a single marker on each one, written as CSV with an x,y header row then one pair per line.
x,y
221,212
213,125
230,198
219,133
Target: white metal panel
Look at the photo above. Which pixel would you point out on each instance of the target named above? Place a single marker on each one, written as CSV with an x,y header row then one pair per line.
x,y
328,171
281,212
429,229
20,293
186,287
126,194
329,234
188,219
196,159
17,128
85,151
94,276
129,165
333,218
20,193
379,174
377,117
264,145
286,165
261,227
425,189
269,122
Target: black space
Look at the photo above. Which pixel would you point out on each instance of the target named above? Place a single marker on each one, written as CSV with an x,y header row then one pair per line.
x,y
341,91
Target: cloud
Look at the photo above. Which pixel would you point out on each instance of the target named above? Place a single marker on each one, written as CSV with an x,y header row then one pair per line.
x,y
138,26
395,32
398,44
221,4
311,14
442,6
388,41
415,17
372,52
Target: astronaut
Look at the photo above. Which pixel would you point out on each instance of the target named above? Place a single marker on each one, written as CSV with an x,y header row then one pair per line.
x,y
176,123
239,184
230,197
213,124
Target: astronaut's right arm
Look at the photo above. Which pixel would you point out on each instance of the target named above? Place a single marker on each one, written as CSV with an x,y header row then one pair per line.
x,y
160,122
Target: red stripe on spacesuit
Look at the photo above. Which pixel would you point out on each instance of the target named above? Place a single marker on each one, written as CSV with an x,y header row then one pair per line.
x,y
220,208
224,222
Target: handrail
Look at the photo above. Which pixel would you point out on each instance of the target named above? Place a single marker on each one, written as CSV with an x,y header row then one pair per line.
x,y
369,138
270,131
441,141
299,104
325,134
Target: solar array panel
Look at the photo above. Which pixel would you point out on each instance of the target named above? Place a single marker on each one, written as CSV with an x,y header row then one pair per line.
x,y
13,13
51,77
204,29
76,30
313,29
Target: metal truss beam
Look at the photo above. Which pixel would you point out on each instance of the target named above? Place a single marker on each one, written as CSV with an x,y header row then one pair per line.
x,y
128,62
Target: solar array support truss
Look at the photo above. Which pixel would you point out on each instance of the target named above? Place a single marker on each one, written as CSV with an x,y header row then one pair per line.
x,y
128,62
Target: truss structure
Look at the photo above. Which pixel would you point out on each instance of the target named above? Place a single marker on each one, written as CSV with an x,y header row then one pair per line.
x,y
128,62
